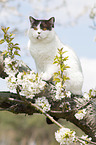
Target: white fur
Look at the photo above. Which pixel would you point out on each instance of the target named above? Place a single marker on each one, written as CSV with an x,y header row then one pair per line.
x,y
44,49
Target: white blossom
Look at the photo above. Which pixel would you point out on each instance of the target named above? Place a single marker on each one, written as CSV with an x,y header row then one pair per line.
x,y
86,138
7,60
65,136
29,82
86,96
68,93
9,67
11,82
80,114
43,103
59,92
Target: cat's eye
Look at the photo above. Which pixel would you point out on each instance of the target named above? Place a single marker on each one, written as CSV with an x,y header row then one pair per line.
x,y
35,28
44,29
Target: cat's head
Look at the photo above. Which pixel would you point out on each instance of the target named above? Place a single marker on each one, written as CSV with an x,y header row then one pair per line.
x,y
41,29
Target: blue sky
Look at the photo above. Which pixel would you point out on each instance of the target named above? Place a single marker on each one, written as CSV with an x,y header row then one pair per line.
x,y
80,37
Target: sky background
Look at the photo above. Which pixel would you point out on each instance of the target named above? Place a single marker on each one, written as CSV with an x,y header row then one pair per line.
x,y
73,26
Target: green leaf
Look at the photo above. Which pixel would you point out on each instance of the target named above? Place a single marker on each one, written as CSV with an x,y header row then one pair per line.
x,y
7,28
65,58
11,34
36,75
16,53
7,40
64,52
90,91
3,29
16,44
67,78
11,39
16,47
22,77
5,52
2,41
67,66
55,62
56,58
56,79
56,73
24,73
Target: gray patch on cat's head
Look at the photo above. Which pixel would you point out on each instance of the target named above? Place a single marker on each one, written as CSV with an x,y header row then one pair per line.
x,y
48,24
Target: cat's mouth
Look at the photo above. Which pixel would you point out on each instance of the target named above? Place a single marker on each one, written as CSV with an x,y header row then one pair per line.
x,y
38,37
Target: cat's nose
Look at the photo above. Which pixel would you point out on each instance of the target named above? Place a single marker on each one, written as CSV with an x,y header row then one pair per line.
x,y
39,32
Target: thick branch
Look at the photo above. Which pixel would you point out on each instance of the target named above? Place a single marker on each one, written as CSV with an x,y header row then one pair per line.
x,y
11,102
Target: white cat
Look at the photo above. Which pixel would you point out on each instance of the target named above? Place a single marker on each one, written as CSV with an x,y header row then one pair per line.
x,y
43,44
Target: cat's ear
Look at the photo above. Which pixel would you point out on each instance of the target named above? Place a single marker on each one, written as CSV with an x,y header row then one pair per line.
x,y
51,21
32,20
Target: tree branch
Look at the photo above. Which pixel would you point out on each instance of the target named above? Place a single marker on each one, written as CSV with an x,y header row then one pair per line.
x,y
10,102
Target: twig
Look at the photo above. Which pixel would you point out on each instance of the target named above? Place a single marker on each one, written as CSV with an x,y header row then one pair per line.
x,y
46,114
86,104
16,100
56,112
86,140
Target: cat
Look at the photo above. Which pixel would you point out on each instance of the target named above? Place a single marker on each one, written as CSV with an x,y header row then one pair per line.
x,y
43,45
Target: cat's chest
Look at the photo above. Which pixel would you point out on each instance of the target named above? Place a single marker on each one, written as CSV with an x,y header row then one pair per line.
x,y
42,51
